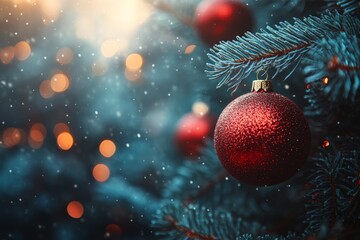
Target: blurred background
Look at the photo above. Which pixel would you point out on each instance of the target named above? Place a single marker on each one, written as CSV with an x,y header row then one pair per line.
x,y
92,93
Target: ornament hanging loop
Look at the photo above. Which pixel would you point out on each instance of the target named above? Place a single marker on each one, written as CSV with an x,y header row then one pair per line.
x,y
264,72
261,85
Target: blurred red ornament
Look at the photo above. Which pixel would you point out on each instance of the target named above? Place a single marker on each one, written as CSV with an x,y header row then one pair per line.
x,y
217,20
191,133
262,138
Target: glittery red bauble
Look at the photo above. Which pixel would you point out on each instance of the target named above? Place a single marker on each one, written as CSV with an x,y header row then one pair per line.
x,y
191,133
262,138
217,20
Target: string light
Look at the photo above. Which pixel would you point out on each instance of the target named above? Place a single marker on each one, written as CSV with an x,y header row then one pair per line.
x,y
109,48
189,49
325,143
22,50
107,148
200,108
134,62
60,128
59,83
325,80
45,89
7,54
101,172
64,56
75,209
65,140
37,135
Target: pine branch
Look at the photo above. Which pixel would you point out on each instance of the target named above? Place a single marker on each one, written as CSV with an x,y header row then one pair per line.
x,y
334,179
206,182
337,59
175,221
329,117
348,6
277,48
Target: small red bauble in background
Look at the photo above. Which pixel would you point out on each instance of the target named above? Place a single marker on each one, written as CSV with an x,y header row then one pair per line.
x,y
262,138
217,20
191,133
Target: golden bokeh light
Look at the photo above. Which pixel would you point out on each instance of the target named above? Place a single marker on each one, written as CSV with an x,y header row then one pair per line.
x,y
134,62
109,48
75,209
45,89
12,137
200,108
50,10
7,54
37,135
22,50
64,56
190,48
113,230
99,68
101,172
59,83
107,148
60,128
132,76
97,21
65,140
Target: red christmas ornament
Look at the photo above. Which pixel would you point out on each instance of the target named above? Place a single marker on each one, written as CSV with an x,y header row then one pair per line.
x,y
262,138
217,20
191,133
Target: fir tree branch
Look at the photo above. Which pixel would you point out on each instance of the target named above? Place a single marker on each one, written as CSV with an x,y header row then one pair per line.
x,y
174,221
277,48
338,59
188,232
327,117
348,6
329,201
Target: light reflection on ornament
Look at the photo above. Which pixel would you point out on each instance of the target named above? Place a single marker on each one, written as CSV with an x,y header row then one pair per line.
x,y
65,140
64,56
22,51
45,89
200,108
75,209
59,82
7,54
101,173
190,48
107,148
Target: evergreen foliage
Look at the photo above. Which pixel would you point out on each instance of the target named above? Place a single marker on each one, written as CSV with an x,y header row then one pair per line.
x,y
280,48
333,198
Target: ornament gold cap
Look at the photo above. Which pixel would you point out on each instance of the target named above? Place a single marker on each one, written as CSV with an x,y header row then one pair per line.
x,y
261,86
